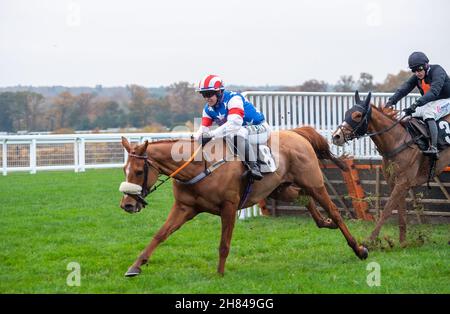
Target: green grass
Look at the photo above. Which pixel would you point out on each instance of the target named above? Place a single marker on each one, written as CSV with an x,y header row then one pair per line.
x,y
52,218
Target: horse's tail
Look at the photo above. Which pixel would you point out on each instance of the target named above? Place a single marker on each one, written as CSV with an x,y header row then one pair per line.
x,y
320,145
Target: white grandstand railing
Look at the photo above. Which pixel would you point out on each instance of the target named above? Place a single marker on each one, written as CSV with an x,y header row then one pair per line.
x,y
322,110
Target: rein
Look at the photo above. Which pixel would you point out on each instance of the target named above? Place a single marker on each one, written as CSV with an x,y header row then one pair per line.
x,y
365,121
386,129
398,149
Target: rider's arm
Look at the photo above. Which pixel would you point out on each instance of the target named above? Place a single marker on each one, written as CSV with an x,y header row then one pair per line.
x,y
404,90
234,119
207,121
437,81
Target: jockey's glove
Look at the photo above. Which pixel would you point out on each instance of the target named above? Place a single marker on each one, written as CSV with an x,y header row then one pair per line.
x,y
389,103
409,111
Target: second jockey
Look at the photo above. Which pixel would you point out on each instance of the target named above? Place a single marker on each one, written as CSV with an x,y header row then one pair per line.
x,y
434,86
239,122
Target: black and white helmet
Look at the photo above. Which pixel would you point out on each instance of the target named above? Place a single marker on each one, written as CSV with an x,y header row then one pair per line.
x,y
417,59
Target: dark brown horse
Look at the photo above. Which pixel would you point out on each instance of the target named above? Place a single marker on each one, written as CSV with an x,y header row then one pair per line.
x,y
220,193
404,165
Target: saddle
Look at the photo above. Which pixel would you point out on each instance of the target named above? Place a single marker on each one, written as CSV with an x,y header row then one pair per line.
x,y
263,154
420,133
418,130
265,159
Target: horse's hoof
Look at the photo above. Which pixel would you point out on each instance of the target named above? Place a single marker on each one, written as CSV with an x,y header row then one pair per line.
x,y
364,253
133,271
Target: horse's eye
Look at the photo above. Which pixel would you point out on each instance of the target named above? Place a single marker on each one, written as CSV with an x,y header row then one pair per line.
x,y
139,172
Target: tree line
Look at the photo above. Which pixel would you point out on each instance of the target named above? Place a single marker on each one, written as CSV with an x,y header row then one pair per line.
x,y
66,112
347,83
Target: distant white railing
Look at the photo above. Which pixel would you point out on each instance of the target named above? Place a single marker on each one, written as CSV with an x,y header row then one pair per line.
x,y
76,152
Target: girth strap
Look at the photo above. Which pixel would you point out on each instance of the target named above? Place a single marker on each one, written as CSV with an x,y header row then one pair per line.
x,y
247,191
401,148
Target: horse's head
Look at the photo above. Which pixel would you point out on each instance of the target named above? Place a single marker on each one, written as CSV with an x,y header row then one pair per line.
x,y
140,175
355,123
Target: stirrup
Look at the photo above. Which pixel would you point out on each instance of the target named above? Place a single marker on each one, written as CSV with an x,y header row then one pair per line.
x,y
257,175
254,172
432,151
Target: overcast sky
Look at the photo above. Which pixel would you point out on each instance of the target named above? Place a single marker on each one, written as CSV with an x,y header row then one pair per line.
x,y
247,42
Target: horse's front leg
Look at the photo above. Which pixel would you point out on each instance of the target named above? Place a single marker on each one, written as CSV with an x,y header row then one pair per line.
x,y
402,220
177,217
228,218
397,199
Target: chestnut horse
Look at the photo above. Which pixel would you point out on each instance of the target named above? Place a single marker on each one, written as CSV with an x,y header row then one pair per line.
x,y
404,165
220,193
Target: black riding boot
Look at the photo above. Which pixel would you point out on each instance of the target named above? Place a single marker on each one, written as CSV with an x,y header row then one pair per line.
x,y
432,150
247,155
254,170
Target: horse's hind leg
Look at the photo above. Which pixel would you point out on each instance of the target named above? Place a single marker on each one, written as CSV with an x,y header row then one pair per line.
x,y
290,193
320,194
321,221
177,217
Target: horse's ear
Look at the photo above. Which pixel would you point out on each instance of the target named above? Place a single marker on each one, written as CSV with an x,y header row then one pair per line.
x,y
367,100
126,144
141,149
357,116
357,99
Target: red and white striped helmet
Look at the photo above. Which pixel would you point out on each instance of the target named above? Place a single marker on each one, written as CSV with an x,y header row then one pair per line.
x,y
210,82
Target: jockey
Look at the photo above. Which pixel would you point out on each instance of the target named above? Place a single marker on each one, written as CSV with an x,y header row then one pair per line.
x,y
434,86
240,123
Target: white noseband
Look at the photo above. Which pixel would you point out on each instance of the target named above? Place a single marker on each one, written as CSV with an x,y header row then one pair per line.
x,y
130,188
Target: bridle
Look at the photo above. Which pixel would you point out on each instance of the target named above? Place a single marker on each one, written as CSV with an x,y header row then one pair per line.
x,y
145,191
358,130
148,164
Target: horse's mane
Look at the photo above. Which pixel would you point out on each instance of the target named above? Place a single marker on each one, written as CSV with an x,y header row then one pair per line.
x,y
389,112
169,141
